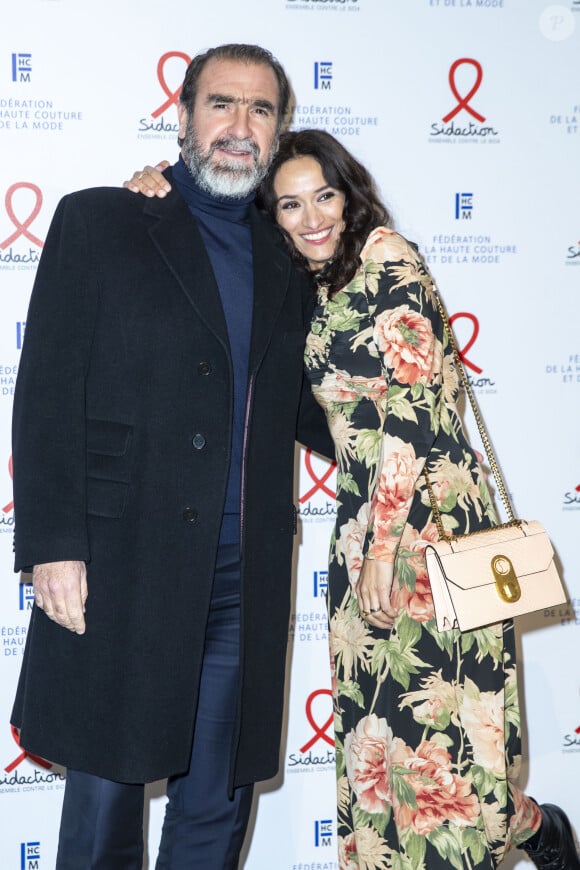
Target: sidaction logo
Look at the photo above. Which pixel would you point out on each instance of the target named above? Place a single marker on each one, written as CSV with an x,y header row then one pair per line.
x,y
318,500
480,381
157,126
315,753
571,741
18,776
571,500
453,126
16,205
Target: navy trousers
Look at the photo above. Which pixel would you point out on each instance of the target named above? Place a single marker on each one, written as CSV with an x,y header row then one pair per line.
x,y
102,821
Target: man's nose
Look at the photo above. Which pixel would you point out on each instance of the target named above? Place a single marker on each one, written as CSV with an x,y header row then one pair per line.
x,y
240,123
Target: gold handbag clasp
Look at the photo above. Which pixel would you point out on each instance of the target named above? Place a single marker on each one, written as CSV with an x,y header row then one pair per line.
x,y
506,582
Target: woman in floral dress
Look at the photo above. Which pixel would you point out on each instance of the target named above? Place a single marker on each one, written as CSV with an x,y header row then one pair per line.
x,y
427,723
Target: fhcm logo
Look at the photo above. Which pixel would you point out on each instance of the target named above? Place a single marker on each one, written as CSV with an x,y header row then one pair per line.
x,y
30,856
21,67
323,832
322,75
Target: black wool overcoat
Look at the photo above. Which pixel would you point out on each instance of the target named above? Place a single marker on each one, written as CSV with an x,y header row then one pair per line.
x,y
125,360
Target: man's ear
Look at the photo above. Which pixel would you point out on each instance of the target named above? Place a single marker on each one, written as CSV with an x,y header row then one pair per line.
x,y
182,117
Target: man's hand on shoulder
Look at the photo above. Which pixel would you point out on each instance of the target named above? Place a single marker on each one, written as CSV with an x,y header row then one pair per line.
x,y
60,589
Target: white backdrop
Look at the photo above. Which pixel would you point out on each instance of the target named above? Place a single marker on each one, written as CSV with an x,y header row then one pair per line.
x,y
468,114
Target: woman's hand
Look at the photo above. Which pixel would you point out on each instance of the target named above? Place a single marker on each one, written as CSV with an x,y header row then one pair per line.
x,y
373,592
150,181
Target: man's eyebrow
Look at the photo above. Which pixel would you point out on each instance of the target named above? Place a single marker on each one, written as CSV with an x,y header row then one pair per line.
x,y
224,98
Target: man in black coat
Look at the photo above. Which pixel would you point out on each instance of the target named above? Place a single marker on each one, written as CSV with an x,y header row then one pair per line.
x,y
159,395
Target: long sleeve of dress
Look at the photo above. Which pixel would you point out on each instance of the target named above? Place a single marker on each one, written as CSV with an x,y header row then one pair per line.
x,y
407,335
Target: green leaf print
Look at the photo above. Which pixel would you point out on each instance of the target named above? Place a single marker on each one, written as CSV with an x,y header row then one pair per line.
x,y
483,779
487,644
344,408
449,504
409,631
447,841
368,447
500,792
410,336
399,406
406,574
417,391
345,482
371,276
357,285
404,792
399,661
351,689
376,820
381,821
450,523
445,640
475,843
415,847
339,762
442,739
342,317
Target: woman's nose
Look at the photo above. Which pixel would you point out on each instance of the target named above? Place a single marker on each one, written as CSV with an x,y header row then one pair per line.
x,y
313,217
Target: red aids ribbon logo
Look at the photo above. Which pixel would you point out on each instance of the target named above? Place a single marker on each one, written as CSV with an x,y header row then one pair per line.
x,y
463,102
319,731
22,227
8,507
172,96
463,351
36,759
319,482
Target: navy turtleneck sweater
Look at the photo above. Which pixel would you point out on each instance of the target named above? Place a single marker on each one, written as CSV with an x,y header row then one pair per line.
x,y
224,224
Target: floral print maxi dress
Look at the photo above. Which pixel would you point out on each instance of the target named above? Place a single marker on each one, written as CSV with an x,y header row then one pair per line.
x,y
427,724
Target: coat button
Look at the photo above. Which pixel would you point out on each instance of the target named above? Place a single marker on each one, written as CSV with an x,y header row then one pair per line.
x,y
198,441
189,515
204,368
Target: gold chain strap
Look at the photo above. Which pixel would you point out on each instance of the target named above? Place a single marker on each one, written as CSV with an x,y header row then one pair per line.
x,y
485,440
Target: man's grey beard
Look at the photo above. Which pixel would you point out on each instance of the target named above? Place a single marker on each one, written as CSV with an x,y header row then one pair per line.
x,y
227,177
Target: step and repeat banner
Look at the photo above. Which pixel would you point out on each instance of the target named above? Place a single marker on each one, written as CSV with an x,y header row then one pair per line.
x,y
467,112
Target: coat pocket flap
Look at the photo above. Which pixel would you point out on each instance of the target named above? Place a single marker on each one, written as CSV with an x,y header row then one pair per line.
x,y
108,437
106,498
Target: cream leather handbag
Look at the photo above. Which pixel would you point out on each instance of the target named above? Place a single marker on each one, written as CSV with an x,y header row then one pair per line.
x,y
494,574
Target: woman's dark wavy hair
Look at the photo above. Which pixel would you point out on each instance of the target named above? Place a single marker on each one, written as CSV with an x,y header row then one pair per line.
x,y
363,210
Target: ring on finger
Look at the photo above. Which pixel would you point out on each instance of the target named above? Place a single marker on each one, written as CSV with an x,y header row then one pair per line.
x,y
376,609
140,176
365,613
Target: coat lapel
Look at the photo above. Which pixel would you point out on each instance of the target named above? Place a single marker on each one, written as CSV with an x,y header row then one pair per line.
x,y
177,238
272,271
